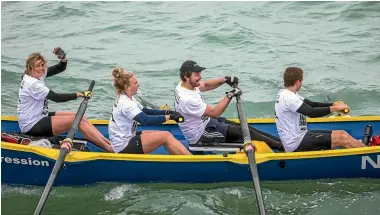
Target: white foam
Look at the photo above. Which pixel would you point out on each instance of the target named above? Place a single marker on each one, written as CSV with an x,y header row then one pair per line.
x,y
235,192
119,192
19,190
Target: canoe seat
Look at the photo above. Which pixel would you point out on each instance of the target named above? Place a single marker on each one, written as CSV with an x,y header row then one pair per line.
x,y
261,147
215,147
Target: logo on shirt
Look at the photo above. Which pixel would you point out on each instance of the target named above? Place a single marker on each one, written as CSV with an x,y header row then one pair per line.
x,y
302,122
176,98
278,98
134,127
204,118
22,84
45,109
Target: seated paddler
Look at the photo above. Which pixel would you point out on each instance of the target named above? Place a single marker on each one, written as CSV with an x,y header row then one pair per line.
x,y
203,122
127,113
33,113
291,111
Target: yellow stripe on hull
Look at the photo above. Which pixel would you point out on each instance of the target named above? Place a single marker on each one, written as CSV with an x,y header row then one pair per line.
x,y
263,120
239,158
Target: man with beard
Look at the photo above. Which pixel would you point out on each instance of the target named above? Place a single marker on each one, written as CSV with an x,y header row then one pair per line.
x,y
202,121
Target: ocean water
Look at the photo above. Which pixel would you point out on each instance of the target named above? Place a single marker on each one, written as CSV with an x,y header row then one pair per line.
x,y
335,43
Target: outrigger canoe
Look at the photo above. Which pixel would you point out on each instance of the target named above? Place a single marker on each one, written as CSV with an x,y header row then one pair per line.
x,y
30,165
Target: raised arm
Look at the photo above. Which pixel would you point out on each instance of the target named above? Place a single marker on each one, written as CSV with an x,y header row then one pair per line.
x,y
56,69
217,82
211,84
61,66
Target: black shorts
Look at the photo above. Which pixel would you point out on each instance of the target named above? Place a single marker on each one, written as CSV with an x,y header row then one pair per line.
x,y
42,127
134,145
215,131
315,140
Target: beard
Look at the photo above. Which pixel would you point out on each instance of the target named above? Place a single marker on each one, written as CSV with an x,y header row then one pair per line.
x,y
195,83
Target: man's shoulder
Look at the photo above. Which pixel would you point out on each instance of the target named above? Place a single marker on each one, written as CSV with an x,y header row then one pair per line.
x,y
288,98
178,87
285,93
185,93
299,96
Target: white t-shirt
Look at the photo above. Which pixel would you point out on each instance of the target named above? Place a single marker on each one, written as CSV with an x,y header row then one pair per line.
x,y
32,103
191,105
122,127
291,125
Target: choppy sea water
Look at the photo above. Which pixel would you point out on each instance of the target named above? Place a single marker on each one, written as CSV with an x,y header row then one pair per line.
x,y
336,44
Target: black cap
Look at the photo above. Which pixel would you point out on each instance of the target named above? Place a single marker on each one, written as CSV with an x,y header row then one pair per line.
x,y
192,66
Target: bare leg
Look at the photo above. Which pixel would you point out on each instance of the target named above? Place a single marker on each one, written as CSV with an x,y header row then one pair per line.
x,y
62,124
149,131
353,139
342,138
61,113
151,140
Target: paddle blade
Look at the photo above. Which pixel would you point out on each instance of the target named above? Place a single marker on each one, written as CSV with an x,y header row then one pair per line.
x,y
57,166
63,152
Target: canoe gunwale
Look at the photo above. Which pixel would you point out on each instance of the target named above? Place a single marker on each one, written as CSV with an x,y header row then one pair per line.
x,y
238,158
250,121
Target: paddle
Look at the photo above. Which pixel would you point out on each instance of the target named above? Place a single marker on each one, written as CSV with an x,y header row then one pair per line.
x,y
64,151
249,149
145,103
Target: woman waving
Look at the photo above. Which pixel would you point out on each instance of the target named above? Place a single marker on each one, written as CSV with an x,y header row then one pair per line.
x,y
32,110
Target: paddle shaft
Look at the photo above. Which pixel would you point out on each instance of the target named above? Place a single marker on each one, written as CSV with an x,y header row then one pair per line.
x,y
63,153
146,103
250,154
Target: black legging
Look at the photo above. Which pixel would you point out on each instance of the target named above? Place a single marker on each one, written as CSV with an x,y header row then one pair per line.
x,y
234,132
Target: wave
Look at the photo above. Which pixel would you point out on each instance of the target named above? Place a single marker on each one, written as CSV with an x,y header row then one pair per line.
x,y
287,197
375,58
360,10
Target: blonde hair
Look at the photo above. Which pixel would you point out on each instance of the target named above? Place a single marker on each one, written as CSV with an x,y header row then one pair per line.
x,y
31,60
121,78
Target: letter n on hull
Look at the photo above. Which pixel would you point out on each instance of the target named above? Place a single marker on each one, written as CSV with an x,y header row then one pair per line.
x,y
372,164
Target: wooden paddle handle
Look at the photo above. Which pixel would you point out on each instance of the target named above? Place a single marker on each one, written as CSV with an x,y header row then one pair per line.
x,y
345,111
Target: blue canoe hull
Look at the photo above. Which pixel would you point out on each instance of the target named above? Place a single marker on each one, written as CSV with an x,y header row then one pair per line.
x,y
352,125
33,168
28,165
